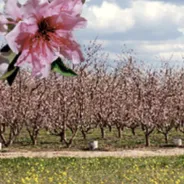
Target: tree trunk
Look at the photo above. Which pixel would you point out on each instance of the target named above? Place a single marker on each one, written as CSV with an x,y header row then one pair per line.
x,y
147,133
68,144
102,132
35,142
33,139
166,137
83,134
10,142
33,134
110,128
119,132
70,141
147,139
3,140
62,136
133,131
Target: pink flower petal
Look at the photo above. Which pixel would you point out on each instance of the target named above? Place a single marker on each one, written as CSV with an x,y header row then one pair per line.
x,y
73,7
12,9
36,8
40,55
70,49
17,37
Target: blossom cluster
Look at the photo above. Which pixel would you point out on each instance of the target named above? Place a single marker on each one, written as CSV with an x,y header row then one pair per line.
x,y
40,31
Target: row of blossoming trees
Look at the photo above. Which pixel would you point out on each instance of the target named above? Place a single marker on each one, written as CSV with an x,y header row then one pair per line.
x,y
103,95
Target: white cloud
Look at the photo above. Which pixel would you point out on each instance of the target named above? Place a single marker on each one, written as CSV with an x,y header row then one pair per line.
x,y
150,51
158,22
152,14
109,17
161,47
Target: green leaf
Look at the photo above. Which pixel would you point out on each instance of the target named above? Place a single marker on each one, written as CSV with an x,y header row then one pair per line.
x,y
7,53
12,71
6,48
7,74
12,77
10,56
11,65
59,67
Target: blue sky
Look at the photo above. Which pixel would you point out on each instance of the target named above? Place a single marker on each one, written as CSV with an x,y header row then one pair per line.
x,y
154,29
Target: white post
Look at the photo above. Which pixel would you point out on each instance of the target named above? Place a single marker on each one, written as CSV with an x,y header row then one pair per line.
x,y
177,141
0,146
93,145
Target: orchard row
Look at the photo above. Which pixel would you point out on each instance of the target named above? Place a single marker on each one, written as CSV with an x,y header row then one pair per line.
x,y
105,94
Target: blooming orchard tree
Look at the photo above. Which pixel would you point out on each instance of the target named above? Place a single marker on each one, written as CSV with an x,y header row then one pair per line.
x,y
86,85
12,112
123,97
178,100
60,102
167,96
36,116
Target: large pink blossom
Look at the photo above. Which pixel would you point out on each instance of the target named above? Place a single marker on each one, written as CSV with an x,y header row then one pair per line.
x,y
43,31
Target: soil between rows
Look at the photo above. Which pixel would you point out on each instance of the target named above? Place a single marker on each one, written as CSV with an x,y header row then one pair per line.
x,y
85,154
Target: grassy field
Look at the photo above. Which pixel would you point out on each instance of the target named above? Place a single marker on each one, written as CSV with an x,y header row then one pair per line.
x,y
155,170
111,142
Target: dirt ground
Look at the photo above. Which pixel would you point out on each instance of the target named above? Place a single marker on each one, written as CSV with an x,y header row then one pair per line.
x,y
86,154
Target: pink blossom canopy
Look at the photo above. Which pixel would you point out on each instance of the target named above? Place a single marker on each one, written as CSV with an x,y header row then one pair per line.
x,y
43,31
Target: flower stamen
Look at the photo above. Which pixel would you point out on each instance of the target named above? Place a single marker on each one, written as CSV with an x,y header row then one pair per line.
x,y
44,28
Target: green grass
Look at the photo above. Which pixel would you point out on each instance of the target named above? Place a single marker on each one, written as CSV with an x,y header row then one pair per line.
x,y
156,170
111,141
